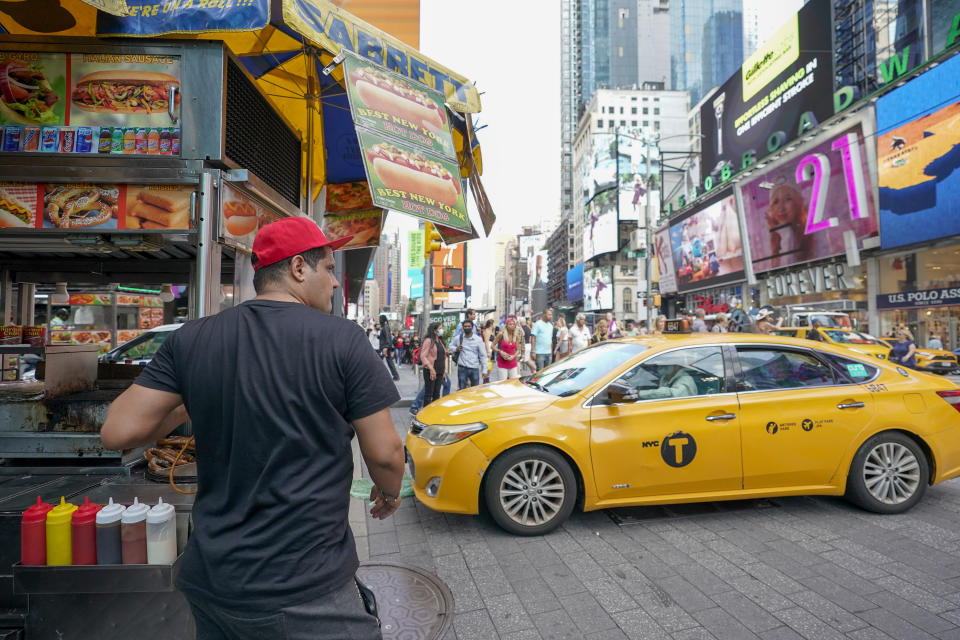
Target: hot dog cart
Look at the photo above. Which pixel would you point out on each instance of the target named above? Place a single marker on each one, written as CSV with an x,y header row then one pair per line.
x,y
148,165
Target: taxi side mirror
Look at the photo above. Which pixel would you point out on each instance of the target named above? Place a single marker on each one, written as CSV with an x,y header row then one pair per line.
x,y
617,393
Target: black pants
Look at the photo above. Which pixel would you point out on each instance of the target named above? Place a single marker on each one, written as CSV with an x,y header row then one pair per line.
x,y
431,388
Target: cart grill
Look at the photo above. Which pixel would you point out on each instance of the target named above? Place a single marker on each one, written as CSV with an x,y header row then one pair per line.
x,y
257,139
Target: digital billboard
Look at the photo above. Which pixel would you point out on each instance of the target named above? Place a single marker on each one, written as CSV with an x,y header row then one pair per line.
x,y
705,244
666,272
773,95
597,288
599,165
918,154
801,210
575,284
600,225
634,160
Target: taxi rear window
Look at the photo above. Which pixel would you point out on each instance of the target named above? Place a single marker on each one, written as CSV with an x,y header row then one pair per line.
x,y
851,371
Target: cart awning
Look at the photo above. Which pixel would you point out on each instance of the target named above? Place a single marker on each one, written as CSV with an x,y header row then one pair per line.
x,y
285,45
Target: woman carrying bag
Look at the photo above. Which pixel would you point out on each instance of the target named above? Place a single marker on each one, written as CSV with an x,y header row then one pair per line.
x,y
433,357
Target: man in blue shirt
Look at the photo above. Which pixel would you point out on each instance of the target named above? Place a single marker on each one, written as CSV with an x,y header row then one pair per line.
x,y
541,339
472,361
470,315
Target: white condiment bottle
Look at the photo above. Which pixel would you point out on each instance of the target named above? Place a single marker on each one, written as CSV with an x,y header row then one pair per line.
x,y
161,534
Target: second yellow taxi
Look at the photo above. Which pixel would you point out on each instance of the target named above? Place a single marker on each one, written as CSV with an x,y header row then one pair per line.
x,y
687,418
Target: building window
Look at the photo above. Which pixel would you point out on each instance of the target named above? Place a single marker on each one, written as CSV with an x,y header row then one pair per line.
x,y
603,109
633,110
656,111
646,111
646,123
610,123
656,125
633,123
633,98
627,300
621,110
645,98
599,124
623,123
656,99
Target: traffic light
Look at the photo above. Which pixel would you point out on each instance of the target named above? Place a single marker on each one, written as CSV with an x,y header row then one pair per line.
x,y
431,239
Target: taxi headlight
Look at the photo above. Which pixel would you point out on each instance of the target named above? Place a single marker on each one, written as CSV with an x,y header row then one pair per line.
x,y
441,434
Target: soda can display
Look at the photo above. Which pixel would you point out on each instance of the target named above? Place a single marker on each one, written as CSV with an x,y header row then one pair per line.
x,y
31,138
84,139
48,139
11,138
68,139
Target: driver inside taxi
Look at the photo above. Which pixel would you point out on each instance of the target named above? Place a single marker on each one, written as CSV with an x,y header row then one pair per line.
x,y
674,382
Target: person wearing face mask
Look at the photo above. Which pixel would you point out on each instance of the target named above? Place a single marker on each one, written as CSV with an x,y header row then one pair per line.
x,y
470,354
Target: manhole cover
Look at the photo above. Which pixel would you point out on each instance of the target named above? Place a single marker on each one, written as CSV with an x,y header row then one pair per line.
x,y
638,515
413,603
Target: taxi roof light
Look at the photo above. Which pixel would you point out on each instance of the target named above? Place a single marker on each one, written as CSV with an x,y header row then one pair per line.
x,y
952,398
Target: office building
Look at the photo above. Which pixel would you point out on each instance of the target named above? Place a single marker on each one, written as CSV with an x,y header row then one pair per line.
x,y
706,44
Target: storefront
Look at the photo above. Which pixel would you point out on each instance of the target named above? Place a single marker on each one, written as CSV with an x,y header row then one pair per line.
x,y
826,289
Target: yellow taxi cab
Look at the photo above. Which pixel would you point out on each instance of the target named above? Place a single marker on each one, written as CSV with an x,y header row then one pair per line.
x,y
686,418
933,360
855,340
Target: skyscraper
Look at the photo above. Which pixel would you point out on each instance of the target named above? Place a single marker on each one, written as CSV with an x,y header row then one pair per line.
x,y
653,42
706,44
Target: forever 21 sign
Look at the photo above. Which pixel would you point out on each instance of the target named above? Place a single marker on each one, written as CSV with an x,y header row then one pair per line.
x,y
813,279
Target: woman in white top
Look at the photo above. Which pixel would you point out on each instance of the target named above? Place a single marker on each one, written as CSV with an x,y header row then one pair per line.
x,y
563,340
579,334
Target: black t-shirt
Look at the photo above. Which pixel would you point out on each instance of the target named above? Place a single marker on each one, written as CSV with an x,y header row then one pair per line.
x,y
271,388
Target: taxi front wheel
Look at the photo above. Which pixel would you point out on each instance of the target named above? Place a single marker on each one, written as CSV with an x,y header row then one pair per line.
x,y
530,490
889,474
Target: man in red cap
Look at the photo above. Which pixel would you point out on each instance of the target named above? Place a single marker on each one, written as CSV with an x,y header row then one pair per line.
x,y
275,389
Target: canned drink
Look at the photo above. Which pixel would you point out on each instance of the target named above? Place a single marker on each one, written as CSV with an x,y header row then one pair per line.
x,y
11,138
84,139
31,138
68,140
48,139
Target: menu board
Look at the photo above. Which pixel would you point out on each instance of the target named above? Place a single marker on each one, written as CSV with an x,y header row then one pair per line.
x,y
241,216
391,104
347,196
95,207
87,103
363,225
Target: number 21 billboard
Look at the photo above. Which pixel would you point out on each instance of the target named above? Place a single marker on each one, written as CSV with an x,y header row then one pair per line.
x,y
801,210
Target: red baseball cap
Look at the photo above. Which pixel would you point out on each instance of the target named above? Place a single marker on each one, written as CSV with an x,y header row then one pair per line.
x,y
287,237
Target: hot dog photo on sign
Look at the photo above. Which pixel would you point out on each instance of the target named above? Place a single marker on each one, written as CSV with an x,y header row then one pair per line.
x,y
389,103
405,179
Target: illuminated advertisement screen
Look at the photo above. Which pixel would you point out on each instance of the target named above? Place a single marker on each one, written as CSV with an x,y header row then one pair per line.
x,y
633,164
800,211
666,272
599,165
575,284
789,75
597,288
918,154
705,245
600,225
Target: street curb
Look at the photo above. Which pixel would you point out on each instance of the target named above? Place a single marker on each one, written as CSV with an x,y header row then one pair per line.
x,y
404,402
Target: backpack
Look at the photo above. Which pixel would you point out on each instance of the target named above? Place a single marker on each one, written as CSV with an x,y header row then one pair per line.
x,y
416,356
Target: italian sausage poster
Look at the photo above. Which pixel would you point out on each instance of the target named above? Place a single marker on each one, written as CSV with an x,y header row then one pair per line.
x,y
405,179
388,103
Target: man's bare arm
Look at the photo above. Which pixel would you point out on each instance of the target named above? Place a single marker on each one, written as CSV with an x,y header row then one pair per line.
x,y
382,450
140,416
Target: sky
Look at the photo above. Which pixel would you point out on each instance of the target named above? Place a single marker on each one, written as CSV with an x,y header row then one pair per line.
x,y
511,50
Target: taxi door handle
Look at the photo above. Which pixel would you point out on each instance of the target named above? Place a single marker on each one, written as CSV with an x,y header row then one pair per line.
x,y
850,405
722,416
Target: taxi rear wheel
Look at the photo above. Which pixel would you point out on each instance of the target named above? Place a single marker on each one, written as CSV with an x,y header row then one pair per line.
x,y
530,490
889,474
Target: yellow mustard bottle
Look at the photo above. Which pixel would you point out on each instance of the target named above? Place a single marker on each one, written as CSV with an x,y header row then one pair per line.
x,y
59,544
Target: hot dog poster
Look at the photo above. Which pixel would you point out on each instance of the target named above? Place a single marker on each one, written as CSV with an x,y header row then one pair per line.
x,y
364,226
90,103
95,207
241,216
389,103
406,179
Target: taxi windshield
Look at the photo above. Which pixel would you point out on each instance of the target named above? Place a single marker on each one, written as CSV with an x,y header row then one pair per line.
x,y
574,374
850,337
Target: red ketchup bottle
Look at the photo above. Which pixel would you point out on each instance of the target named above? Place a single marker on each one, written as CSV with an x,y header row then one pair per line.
x,y
83,534
33,534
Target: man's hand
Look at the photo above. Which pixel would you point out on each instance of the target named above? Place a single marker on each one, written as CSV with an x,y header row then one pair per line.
x,y
384,506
